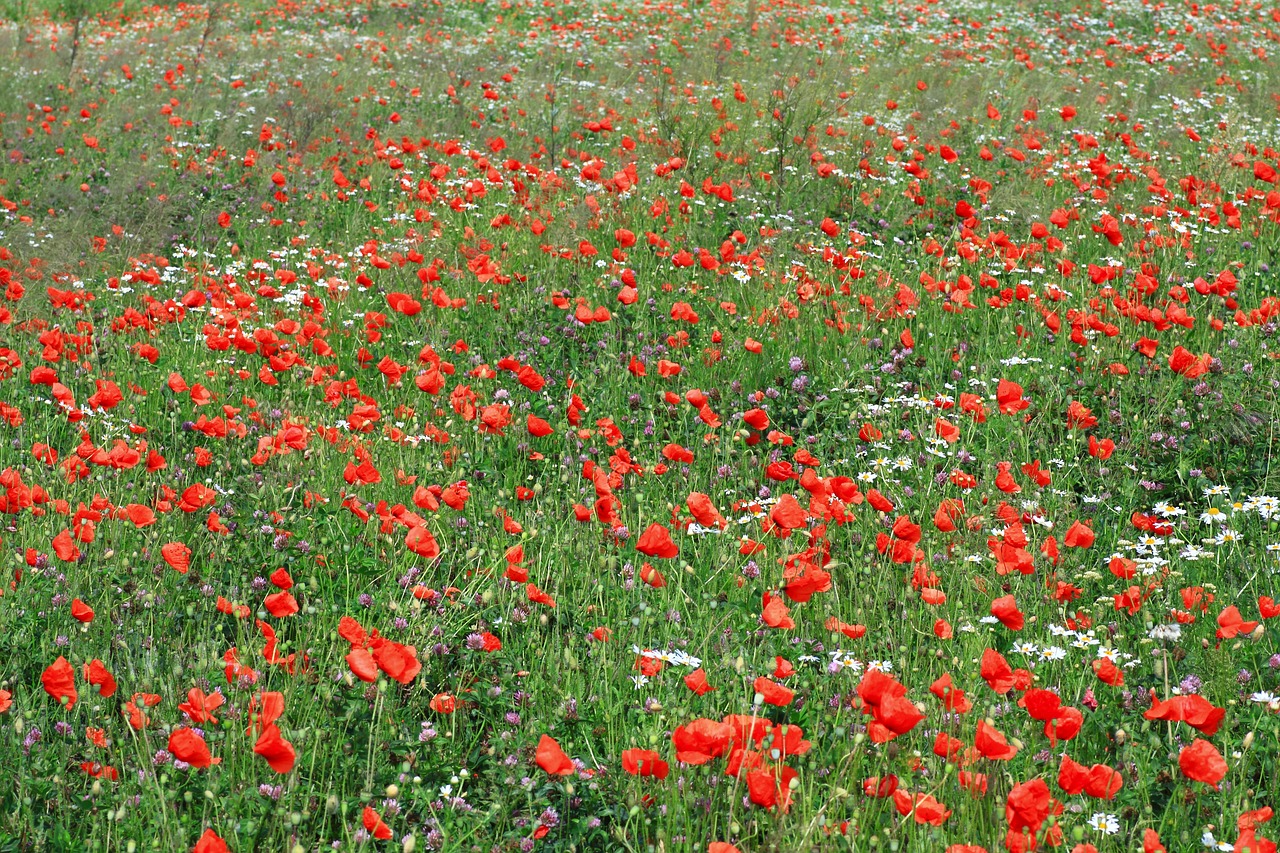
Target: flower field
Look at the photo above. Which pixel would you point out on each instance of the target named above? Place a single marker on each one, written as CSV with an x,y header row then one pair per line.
x,y
645,426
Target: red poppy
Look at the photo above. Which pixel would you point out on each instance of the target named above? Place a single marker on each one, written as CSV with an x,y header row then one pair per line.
x,y
697,682
1108,672
281,604
81,612
1027,806
97,674
537,427
773,693
278,752
59,680
656,542
1009,397
1103,782
922,807
1078,535
397,660
1231,624
1192,709
788,514
700,741
652,576
538,596
644,762
210,842
1202,762
552,759
1065,726
880,786
374,824
770,787
953,698
443,703
362,664
420,541
1006,610
992,744
776,614
186,745
199,707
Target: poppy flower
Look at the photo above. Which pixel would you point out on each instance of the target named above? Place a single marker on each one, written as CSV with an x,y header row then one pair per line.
x,y
420,541
374,824
552,759
1202,762
1027,806
787,513
1231,624
97,674
1006,610
199,707
398,661
81,612
1103,782
773,693
281,604
186,745
656,542
1192,709
278,752
721,847
538,596
775,613
1108,672
896,715
362,664
1009,397
210,842
6,701
443,703
1064,726
770,788
992,744
697,682
652,576
1078,535
1041,704
922,807
952,697
700,741
644,762
59,680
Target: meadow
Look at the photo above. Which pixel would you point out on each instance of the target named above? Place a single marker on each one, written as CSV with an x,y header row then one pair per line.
x,y
644,425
